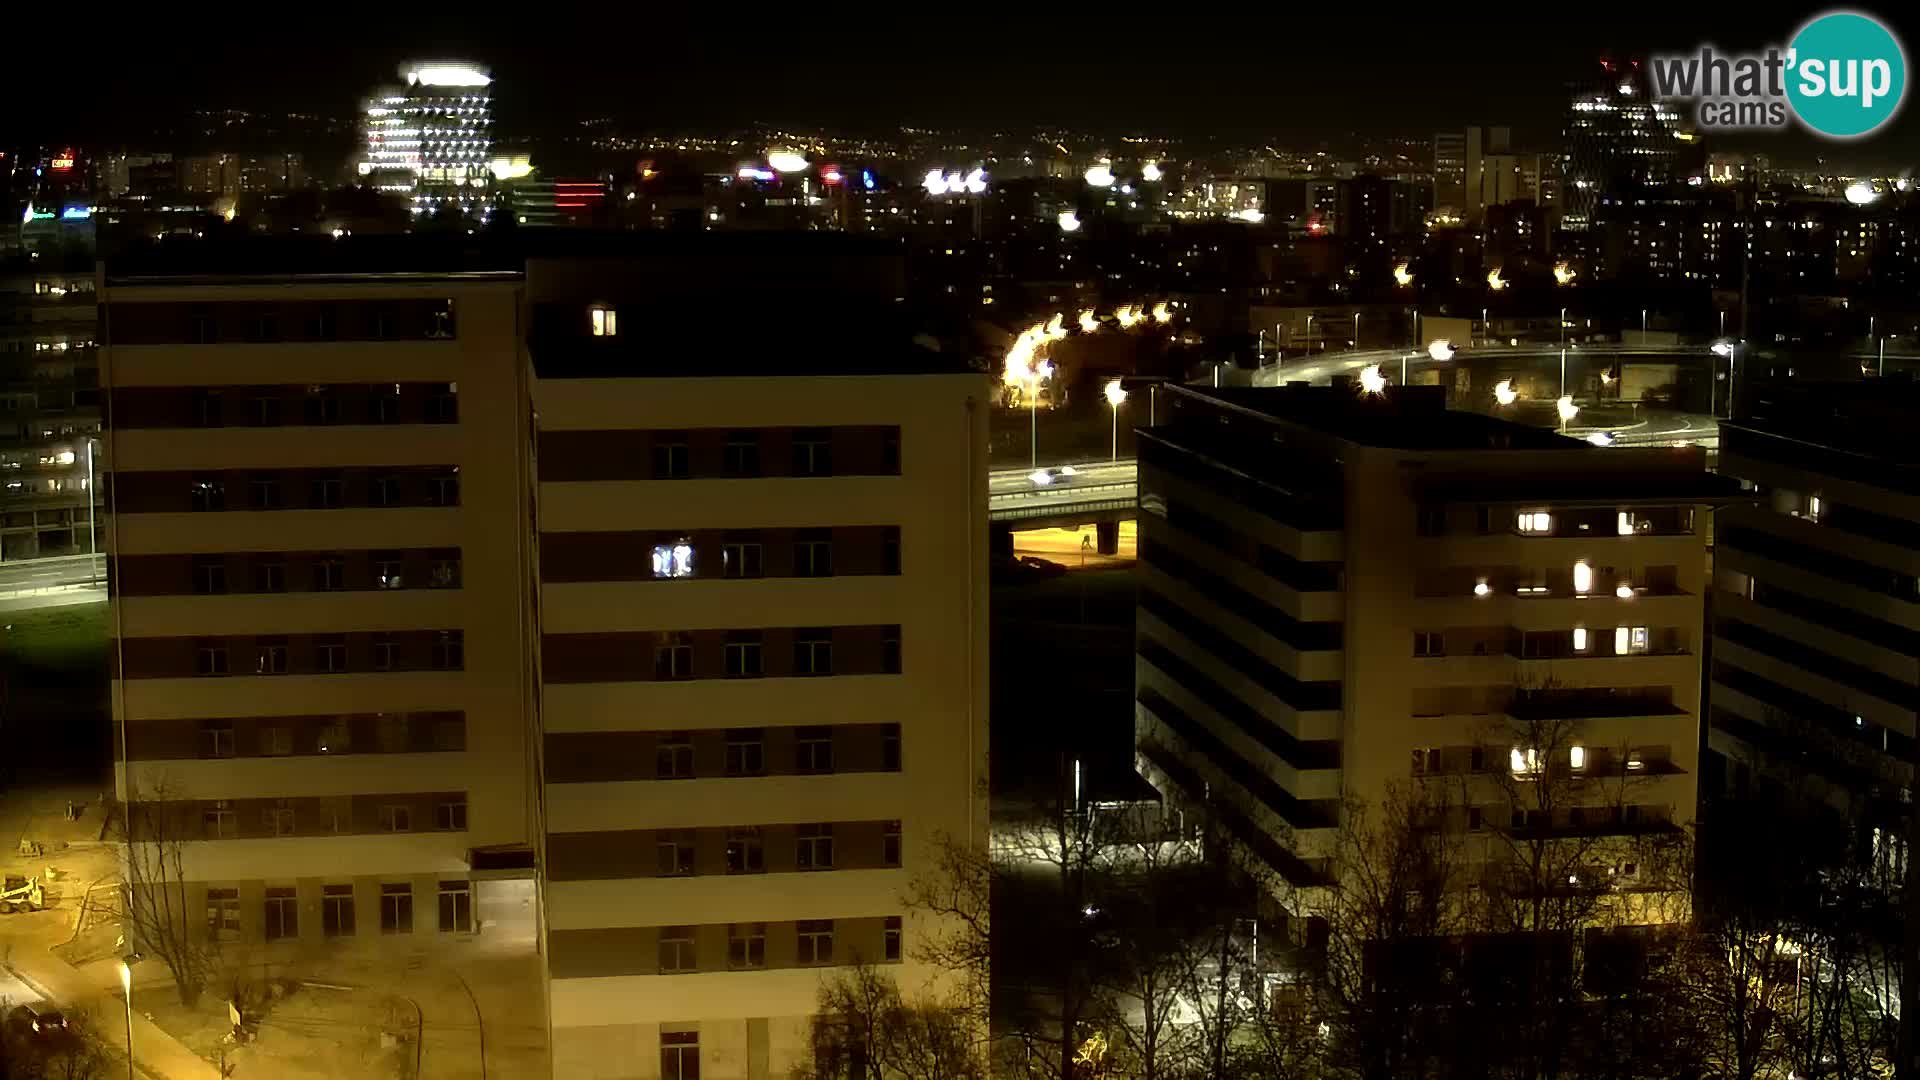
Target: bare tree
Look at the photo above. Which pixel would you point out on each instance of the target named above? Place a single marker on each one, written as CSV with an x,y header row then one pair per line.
x,y
154,829
864,1029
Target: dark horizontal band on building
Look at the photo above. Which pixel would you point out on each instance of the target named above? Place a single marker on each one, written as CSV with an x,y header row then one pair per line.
x,y
674,950
185,738
609,756
287,654
840,551
722,850
285,571
162,820
672,655
172,407
719,453
380,487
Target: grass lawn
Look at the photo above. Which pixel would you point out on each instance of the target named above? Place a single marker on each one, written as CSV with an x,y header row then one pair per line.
x,y
65,642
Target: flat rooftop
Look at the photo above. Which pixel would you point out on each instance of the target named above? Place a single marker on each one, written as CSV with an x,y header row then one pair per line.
x,y
1870,418
1402,418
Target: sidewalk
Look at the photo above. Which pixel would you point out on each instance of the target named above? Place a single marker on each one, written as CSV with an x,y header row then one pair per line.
x,y
157,1054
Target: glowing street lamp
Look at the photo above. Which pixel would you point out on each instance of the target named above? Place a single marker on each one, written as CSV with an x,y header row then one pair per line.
x,y
1504,393
1161,314
1069,221
126,990
1568,410
1440,349
1372,380
1402,276
1056,327
1495,281
1860,193
1563,274
1088,324
1150,172
1100,175
1116,394
1127,316
786,161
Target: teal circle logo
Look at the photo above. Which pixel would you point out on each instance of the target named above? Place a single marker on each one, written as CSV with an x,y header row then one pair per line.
x,y
1848,74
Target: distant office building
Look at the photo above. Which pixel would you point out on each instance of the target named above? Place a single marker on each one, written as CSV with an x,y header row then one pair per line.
x,y
1815,631
49,411
1676,235
431,141
1340,593
1371,210
1450,169
1615,135
236,174
122,172
764,654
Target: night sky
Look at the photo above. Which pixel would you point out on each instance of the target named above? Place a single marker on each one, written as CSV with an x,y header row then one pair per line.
x,y
1312,76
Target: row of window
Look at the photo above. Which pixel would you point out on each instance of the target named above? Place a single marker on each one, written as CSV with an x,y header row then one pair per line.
x,y
277,406
675,655
746,752
265,322
1528,763
266,491
222,819
1551,644
278,572
327,655
720,453
747,946
743,654
813,849
731,553
290,489
377,733
280,917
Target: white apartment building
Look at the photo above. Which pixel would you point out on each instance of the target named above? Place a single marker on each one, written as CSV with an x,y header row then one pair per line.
x,y
763,658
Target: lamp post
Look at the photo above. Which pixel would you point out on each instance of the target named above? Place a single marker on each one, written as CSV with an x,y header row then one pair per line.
x,y
1563,328
126,988
1356,330
1040,370
1115,395
1309,334
1486,328
93,551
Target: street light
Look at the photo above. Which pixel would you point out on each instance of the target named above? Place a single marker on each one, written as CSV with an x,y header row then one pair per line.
x,y
126,988
93,551
1115,395
1039,371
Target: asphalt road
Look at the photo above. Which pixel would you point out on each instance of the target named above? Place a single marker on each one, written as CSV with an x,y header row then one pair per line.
x,y
49,573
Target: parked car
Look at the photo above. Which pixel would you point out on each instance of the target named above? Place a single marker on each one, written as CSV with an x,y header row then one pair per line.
x,y
38,1020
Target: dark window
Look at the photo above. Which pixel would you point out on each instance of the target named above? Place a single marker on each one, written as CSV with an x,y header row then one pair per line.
x,y
381,325
270,577
209,409
679,1050
746,752
813,652
745,851
263,491
890,451
670,456
890,844
336,910
204,331
384,490
209,574
893,933
396,817
323,325
673,756
396,909
1429,643
451,816
443,571
673,655
813,452
218,821
890,650
386,650
391,730
223,914
743,453
676,954
282,915
322,405
449,650
747,945
209,493
742,654
1432,521
816,941
263,327
450,733
813,553
813,750
813,847
329,573
330,654
443,488
210,658
264,411
456,907
216,738
890,747
890,550
384,406
443,404
741,559
270,656
676,856
327,493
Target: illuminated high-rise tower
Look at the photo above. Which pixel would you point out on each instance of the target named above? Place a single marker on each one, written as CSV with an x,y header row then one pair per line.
x,y
1615,134
432,139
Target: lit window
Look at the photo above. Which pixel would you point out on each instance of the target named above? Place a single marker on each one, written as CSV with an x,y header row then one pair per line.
x,y
673,560
1534,522
1626,523
1577,757
1582,577
1579,639
604,322
1629,640
1524,762
1635,763
1814,507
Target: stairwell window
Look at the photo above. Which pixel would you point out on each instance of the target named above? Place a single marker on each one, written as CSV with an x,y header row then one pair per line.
x,y
603,321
